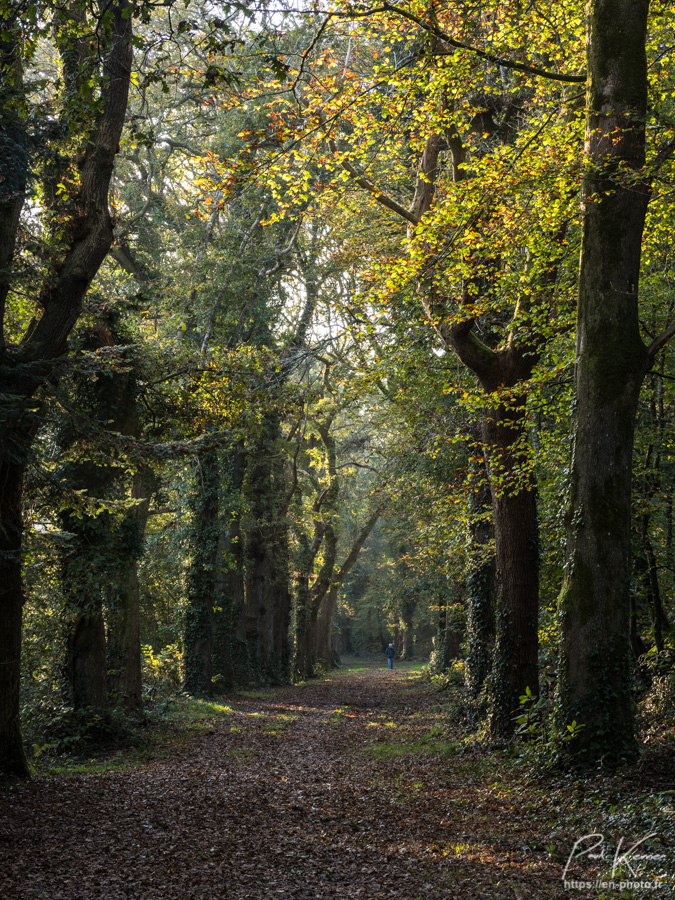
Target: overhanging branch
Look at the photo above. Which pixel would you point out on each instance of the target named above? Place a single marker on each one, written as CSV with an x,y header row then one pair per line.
x,y
660,341
434,30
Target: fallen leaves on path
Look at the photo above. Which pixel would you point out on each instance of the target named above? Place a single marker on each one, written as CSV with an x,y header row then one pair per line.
x,y
305,792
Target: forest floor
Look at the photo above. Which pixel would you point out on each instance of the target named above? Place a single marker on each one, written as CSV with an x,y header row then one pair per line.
x,y
358,785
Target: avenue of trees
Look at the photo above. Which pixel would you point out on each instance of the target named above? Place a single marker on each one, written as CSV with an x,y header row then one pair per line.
x,y
330,324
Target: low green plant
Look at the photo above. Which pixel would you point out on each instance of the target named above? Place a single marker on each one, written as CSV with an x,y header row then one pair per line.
x,y
539,743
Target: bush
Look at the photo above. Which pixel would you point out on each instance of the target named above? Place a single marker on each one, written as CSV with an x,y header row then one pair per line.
x,y
162,672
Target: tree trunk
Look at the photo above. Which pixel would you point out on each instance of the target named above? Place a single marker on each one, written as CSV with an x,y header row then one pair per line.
x,y
12,759
303,652
407,651
86,235
452,644
636,643
86,568
86,659
324,654
407,608
282,595
124,637
266,561
13,156
202,578
651,581
481,589
229,657
611,361
515,665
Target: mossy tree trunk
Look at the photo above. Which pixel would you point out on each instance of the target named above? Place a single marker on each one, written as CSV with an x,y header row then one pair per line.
x,y
407,613
325,652
86,658
515,665
202,575
87,565
310,597
611,360
481,591
267,596
124,634
514,505
229,657
12,758
13,162
301,659
281,575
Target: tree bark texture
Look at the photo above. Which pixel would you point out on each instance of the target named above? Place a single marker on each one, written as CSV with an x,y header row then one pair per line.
x,y
12,757
86,671
267,598
515,664
513,491
87,565
303,644
611,360
324,653
407,611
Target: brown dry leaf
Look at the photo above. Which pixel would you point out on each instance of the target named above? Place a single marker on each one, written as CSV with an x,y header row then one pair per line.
x,y
295,804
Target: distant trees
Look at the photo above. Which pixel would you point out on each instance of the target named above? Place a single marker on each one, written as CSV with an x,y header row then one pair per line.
x,y
494,306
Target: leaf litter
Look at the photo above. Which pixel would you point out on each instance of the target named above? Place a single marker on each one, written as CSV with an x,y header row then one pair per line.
x,y
348,787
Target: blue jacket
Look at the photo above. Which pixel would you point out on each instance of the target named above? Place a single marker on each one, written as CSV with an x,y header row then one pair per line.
x,y
390,652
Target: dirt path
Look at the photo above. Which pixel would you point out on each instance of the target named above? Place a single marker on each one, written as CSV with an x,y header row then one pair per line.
x,y
307,792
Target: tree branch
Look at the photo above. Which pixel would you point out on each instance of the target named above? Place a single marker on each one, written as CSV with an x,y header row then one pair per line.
x,y
357,546
374,191
660,341
459,45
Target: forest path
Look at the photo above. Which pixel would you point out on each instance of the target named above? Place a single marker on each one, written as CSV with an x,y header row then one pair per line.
x,y
339,788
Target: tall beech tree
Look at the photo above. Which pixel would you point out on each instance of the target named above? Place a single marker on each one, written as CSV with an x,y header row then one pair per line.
x,y
78,233
611,362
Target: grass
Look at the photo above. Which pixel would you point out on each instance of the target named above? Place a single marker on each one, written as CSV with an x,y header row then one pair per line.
x,y
159,737
172,725
431,744
191,711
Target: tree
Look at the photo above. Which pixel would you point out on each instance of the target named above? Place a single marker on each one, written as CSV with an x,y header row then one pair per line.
x,y
78,232
611,363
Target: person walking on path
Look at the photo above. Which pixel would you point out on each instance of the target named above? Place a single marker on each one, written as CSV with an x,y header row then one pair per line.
x,y
390,653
